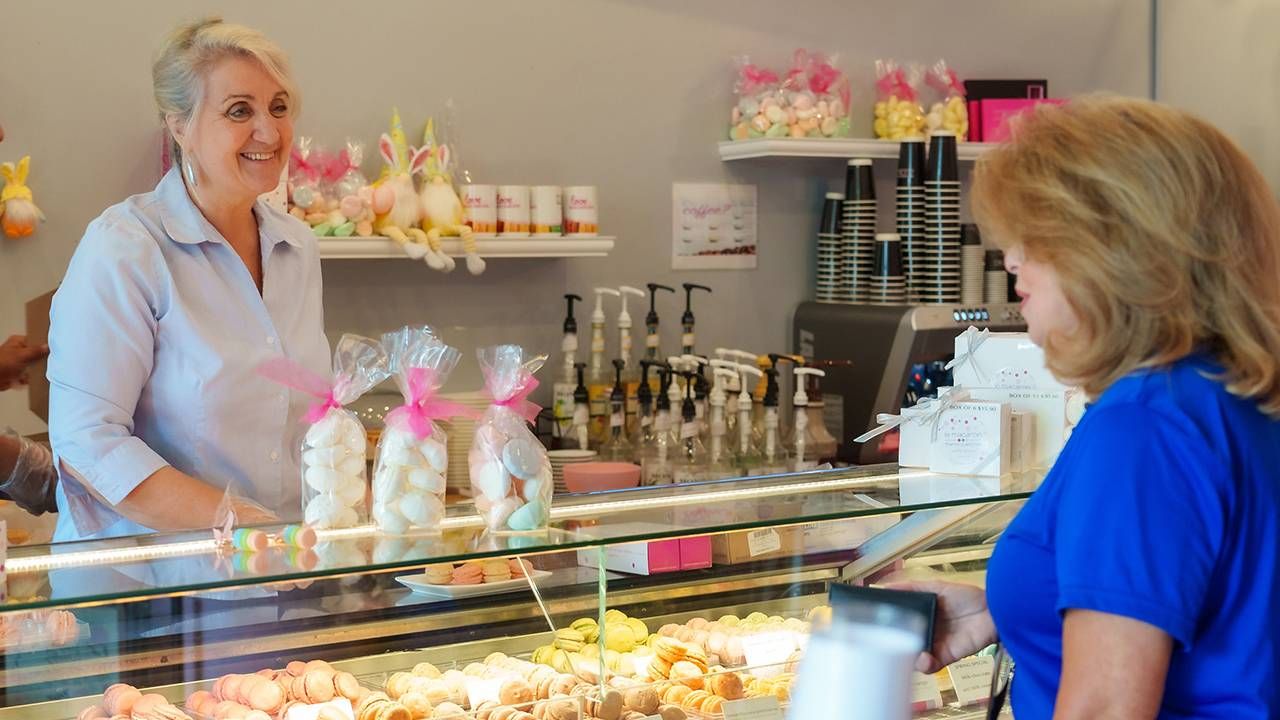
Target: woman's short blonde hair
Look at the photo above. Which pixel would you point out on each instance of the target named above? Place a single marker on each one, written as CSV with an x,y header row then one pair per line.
x,y
179,70
1164,236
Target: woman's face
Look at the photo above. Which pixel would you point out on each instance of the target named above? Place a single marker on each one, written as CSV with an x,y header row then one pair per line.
x,y
240,137
1044,306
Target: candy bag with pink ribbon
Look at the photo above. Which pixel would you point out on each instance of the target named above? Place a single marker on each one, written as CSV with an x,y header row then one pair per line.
x,y
334,483
758,107
949,112
413,452
510,474
829,87
898,114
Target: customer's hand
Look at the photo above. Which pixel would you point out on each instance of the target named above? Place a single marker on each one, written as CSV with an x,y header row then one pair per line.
x,y
962,627
15,356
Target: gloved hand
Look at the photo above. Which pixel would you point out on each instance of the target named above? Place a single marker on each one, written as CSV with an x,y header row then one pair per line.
x,y
32,482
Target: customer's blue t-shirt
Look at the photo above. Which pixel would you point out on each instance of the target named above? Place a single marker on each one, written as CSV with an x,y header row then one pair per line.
x,y
1164,506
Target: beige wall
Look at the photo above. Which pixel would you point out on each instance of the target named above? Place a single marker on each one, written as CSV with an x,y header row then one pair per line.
x,y
628,95
1219,60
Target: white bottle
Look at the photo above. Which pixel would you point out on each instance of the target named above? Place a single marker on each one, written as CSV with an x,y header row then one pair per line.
x,y
745,451
599,377
721,462
802,441
631,369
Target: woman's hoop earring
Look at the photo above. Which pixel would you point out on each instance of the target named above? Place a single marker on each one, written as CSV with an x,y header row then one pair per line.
x,y
191,172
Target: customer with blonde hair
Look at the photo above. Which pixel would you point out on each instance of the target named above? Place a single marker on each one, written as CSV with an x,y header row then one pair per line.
x,y
1142,579
172,299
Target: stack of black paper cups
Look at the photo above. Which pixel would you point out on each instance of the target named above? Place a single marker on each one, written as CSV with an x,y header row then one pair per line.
x,y
911,211
859,230
888,284
940,280
828,278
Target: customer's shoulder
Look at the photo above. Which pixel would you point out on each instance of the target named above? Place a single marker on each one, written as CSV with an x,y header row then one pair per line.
x,y
132,228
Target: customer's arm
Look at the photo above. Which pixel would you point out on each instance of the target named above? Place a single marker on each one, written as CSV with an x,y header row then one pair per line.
x,y
102,336
1113,668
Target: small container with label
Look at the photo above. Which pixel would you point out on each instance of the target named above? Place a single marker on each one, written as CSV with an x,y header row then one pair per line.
x,y
513,210
545,210
480,208
581,212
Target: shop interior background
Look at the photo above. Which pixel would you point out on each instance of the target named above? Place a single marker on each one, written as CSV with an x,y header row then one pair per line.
x,y
628,95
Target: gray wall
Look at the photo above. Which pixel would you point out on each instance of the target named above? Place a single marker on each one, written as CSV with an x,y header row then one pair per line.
x,y
629,95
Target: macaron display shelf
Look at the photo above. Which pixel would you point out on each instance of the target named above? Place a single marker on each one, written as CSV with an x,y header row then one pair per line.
x,y
829,148
490,246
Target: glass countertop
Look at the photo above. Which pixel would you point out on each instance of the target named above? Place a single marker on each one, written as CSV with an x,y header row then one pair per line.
x,y
103,571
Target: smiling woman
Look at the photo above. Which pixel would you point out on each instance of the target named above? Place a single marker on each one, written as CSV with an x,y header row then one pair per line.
x,y
174,297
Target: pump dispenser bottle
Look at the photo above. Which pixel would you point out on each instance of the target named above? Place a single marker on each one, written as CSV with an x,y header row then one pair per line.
x,y
599,376
617,448
688,339
775,453
656,464
675,393
720,462
631,370
696,364
691,462
643,434
653,340
581,429
732,386
804,445
562,392
746,449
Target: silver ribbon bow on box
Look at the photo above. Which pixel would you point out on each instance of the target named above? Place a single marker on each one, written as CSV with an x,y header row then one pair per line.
x,y
931,410
973,340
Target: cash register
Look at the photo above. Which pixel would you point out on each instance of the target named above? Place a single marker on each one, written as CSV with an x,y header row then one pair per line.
x,y
896,355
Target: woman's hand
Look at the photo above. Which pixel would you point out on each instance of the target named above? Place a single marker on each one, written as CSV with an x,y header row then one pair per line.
x,y
962,626
15,356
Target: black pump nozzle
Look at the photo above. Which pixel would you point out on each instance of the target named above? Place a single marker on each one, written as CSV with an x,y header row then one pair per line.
x,y
652,317
687,317
644,394
571,325
701,385
580,394
771,372
619,393
688,411
664,384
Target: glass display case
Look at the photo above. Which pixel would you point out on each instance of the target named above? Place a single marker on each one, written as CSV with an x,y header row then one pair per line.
x,y
622,584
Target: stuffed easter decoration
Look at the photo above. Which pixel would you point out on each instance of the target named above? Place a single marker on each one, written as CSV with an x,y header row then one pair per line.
x,y
397,210
18,211
441,208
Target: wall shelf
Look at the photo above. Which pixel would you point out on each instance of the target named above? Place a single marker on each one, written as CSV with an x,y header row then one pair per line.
x,y
829,148
368,248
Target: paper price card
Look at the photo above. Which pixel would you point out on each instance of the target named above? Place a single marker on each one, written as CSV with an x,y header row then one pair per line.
x,y
972,679
925,694
759,708
768,652
763,541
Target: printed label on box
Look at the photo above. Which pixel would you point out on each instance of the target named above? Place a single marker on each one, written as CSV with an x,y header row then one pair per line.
x,y
758,708
972,679
925,694
763,541
768,652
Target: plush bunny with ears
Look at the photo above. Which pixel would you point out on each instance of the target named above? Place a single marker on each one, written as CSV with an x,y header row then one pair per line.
x,y
397,209
18,211
441,208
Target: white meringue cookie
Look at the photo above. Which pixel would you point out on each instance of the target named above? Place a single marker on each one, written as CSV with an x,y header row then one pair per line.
x,y
491,479
427,480
389,519
422,510
329,456
435,453
355,464
323,479
326,432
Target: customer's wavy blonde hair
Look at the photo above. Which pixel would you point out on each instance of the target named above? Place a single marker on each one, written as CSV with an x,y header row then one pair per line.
x,y
1164,236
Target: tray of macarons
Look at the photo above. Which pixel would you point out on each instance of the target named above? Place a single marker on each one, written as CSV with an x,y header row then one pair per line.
x,y
474,578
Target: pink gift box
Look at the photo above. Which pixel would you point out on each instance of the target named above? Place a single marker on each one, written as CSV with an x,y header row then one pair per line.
x,y
993,115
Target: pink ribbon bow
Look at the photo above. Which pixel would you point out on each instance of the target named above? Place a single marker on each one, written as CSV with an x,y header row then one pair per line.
x,y
895,83
300,163
422,406
292,375
755,77
519,401
945,81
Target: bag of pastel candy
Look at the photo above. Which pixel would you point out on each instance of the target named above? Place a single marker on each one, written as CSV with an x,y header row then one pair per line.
x,y
333,449
413,457
829,88
950,111
510,474
898,113
758,111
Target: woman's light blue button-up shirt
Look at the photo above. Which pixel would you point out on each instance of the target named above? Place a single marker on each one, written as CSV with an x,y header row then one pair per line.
x,y
156,332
